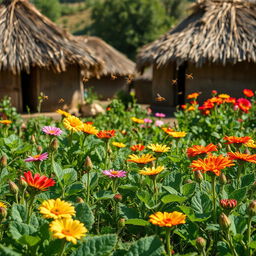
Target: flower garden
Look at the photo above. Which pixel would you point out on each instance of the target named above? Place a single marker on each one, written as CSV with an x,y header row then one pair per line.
x,y
127,183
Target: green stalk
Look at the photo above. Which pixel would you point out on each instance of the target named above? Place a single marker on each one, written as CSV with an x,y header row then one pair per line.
x,y
230,243
30,208
63,247
168,241
249,235
214,214
155,187
88,188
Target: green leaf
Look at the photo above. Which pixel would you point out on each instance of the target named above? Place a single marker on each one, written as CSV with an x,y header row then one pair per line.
x,y
128,213
29,240
188,189
238,194
18,212
173,198
96,246
57,171
69,176
84,214
247,180
74,188
201,203
253,245
147,246
191,215
6,251
137,222
17,229
103,195
128,187
170,190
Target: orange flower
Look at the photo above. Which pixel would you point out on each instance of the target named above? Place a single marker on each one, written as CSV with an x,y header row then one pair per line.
x,y
199,150
224,96
138,147
211,164
106,134
247,92
5,121
167,130
237,140
143,159
193,95
165,219
230,100
89,129
191,108
242,157
216,100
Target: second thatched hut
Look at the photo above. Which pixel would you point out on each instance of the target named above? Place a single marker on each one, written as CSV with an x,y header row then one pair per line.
x,y
117,68
214,48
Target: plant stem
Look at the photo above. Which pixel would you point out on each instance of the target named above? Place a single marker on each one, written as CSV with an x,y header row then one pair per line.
x,y
214,198
62,251
168,241
88,188
155,187
30,208
249,235
230,243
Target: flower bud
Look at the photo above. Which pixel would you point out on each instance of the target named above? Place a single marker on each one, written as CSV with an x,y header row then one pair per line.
x,y
121,223
118,197
223,179
88,164
3,161
23,126
198,176
3,212
228,203
252,208
13,187
33,139
214,92
200,243
23,183
188,181
224,221
54,144
79,200
39,149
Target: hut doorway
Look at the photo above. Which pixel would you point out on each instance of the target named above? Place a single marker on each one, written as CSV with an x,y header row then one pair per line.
x,y
28,104
181,83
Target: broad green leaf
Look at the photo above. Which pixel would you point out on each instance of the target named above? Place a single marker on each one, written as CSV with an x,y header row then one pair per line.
x,y
29,240
247,180
147,246
6,251
103,195
238,194
128,187
84,214
18,212
173,198
57,171
137,222
191,215
170,190
69,176
96,246
253,245
128,213
188,189
74,188
17,229
201,203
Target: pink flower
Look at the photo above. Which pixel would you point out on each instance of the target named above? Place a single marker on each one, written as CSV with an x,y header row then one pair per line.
x,y
149,121
52,130
40,157
160,115
159,123
114,174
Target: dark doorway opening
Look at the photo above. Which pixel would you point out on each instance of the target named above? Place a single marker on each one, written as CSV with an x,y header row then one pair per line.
x,y
182,83
27,91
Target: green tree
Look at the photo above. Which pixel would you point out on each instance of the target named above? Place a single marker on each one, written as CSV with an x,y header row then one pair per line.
x,y
175,8
50,8
128,24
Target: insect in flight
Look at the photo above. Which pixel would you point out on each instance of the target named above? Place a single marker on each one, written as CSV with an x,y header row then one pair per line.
x,y
189,76
129,79
159,98
113,77
61,100
174,82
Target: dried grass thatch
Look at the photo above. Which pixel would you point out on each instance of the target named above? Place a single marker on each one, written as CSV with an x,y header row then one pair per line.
x,y
115,63
29,39
218,31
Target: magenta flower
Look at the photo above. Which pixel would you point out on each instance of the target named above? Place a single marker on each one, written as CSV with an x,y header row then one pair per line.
x,y
159,123
52,130
39,157
160,115
148,121
114,174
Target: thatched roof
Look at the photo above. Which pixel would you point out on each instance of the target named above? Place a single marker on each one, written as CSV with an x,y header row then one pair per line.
x,y
28,39
218,31
115,63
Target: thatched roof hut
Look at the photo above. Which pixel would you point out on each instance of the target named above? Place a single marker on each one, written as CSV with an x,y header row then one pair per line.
x,y
32,44
217,43
116,67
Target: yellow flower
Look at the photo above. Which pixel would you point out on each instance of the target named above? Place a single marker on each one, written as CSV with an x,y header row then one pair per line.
x,y
143,159
62,112
118,144
69,229
152,171
57,209
3,205
165,219
88,128
250,144
177,134
191,108
73,123
167,130
5,121
137,120
159,148
223,96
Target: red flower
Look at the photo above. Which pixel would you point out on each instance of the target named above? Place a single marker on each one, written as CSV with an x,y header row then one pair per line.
x,y
242,157
214,92
106,134
247,92
237,140
244,104
137,147
183,106
228,203
199,150
38,182
207,105
230,100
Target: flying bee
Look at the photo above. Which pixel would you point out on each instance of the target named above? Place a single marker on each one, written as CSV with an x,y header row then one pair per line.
x,y
189,76
174,82
61,100
113,77
129,79
179,93
159,98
